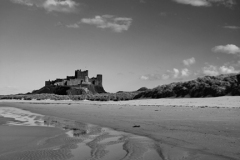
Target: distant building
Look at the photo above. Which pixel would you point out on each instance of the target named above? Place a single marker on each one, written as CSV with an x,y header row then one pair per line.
x,y
80,78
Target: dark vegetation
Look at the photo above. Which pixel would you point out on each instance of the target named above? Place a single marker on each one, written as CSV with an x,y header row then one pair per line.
x,y
67,90
208,86
92,97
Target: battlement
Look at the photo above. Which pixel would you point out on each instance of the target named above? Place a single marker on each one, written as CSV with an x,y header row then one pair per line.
x,y
81,74
80,78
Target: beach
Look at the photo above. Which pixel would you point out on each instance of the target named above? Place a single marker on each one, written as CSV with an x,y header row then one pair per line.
x,y
203,128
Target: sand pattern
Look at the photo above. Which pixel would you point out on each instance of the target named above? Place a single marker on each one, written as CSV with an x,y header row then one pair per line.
x,y
103,143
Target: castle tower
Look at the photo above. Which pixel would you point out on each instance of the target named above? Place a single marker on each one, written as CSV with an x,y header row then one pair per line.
x,y
86,79
47,83
81,74
99,79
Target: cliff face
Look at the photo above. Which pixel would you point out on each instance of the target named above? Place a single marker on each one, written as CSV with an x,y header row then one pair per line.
x,y
68,90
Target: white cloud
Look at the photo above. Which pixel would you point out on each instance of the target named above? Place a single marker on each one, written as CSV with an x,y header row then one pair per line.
x,y
117,24
214,70
229,49
144,77
227,3
227,70
185,72
207,3
175,73
210,70
151,77
197,3
75,25
188,62
169,74
165,76
232,27
66,6
23,2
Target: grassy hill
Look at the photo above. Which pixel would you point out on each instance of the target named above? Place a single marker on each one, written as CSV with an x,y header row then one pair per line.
x,y
208,86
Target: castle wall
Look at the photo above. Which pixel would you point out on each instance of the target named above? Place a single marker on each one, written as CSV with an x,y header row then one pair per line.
x,y
74,82
80,78
47,83
95,81
62,83
70,77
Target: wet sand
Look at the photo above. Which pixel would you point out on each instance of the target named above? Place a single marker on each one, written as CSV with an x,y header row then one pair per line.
x,y
30,136
190,132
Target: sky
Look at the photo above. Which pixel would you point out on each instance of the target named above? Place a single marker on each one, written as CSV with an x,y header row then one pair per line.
x,y
132,43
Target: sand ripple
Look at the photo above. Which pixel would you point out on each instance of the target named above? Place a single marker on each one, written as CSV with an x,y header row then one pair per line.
x,y
103,143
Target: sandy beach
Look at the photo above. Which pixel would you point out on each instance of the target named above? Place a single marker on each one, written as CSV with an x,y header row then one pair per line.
x,y
201,129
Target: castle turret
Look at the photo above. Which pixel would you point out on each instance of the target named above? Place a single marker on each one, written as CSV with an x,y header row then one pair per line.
x,y
81,74
99,79
47,83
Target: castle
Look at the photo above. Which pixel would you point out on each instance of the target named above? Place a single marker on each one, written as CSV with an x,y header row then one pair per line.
x,y
80,78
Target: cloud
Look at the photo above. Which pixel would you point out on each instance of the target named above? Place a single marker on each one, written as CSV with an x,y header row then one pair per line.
x,y
117,24
165,76
185,72
75,26
169,74
66,6
212,70
229,49
144,77
227,3
188,62
23,2
232,27
175,73
151,77
227,70
207,3
197,3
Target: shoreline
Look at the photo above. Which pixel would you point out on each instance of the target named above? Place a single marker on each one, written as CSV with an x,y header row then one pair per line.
x,y
211,102
194,131
71,140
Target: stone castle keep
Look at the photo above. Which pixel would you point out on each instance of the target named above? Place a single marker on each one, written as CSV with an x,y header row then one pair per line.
x,y
80,78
